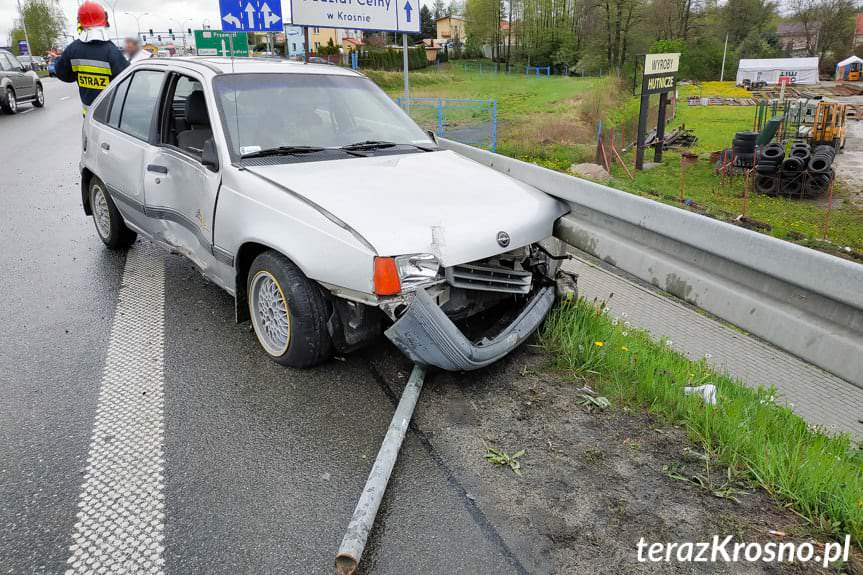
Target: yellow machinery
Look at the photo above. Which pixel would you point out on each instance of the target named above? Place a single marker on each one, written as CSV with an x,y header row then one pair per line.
x,y
828,125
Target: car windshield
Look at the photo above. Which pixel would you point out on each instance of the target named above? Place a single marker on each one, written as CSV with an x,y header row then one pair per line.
x,y
267,111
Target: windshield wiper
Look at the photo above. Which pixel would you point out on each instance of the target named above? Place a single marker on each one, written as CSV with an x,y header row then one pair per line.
x,y
283,151
378,145
369,145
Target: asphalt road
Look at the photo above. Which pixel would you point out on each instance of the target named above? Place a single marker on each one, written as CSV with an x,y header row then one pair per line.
x,y
260,466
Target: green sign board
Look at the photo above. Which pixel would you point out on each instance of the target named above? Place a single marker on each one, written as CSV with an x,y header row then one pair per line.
x,y
218,43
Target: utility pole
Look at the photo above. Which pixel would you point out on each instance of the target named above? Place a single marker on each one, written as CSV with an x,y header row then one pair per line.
x,y
724,51
24,25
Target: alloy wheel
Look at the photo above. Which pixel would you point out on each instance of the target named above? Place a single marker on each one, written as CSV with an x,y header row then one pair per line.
x,y
270,315
101,212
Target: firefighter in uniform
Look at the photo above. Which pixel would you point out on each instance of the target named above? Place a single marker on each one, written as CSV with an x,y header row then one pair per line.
x,y
92,60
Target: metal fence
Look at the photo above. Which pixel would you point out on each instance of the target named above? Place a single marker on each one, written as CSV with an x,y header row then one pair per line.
x,y
472,122
538,70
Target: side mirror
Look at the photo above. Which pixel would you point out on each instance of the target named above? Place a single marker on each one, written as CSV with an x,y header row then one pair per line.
x,y
24,68
209,157
432,135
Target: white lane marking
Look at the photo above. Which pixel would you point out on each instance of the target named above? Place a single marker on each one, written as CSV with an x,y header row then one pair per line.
x,y
27,111
121,515
65,98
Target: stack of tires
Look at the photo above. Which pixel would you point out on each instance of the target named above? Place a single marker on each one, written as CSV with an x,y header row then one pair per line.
x,y
793,171
743,149
770,159
802,173
820,171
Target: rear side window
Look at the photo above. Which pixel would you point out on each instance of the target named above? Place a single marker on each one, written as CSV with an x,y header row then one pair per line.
x,y
5,63
140,105
116,102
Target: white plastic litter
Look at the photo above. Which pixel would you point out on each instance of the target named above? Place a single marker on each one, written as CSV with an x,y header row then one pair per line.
x,y
707,392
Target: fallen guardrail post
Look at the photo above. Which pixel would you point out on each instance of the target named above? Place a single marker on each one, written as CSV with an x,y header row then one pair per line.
x,y
354,541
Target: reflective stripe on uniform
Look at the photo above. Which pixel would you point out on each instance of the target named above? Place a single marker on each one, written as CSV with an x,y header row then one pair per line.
x,y
93,81
85,62
92,70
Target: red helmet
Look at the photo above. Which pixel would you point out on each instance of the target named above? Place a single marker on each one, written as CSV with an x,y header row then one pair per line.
x,y
92,15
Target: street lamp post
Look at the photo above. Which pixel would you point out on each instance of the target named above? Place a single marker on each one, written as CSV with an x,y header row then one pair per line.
x,y
137,16
182,29
113,6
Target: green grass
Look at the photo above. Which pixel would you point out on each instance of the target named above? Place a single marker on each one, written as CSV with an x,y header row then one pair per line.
x,y
539,119
549,121
817,475
791,219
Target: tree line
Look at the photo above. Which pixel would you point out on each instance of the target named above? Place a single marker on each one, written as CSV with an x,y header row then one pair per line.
x,y
606,36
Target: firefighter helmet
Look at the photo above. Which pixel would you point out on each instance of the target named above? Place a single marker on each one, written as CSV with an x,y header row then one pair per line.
x,y
92,15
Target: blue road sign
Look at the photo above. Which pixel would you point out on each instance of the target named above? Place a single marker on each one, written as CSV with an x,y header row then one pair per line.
x,y
251,15
22,48
408,8
390,15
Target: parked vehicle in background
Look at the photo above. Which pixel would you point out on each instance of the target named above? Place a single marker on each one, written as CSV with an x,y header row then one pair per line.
x,y
312,198
34,63
18,85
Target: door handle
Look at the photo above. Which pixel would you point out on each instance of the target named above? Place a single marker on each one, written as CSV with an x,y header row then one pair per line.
x,y
106,146
157,168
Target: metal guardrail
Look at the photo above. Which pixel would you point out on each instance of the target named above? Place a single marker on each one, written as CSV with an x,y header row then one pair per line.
x,y
801,300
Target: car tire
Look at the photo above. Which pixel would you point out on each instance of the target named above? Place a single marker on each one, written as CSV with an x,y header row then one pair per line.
x,y
110,226
39,99
288,311
9,103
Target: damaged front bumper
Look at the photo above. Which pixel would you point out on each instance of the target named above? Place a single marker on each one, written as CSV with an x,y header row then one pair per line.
x,y
429,338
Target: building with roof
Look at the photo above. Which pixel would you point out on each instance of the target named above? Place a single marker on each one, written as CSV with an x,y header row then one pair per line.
x,y
799,38
449,29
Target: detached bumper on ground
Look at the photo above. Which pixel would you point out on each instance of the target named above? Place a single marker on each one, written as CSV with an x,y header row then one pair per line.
x,y
430,339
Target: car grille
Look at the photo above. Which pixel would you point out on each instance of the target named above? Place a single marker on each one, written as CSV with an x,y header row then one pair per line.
x,y
485,278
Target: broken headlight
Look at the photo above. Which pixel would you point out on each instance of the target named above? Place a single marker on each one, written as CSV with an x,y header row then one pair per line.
x,y
418,270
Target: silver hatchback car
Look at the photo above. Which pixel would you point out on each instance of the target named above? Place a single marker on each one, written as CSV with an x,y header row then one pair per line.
x,y
329,215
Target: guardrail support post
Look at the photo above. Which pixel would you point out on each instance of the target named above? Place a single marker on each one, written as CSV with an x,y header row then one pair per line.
x,y
354,542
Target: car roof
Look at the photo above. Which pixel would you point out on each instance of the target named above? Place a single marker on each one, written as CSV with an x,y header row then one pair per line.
x,y
222,65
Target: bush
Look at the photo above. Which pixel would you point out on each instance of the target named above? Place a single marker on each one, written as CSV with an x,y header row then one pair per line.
x,y
390,59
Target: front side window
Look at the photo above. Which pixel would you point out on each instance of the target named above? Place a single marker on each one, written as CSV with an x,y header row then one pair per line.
x,y
188,120
5,63
263,111
140,105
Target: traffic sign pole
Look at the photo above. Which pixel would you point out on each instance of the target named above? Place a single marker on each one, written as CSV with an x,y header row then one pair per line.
x,y
405,62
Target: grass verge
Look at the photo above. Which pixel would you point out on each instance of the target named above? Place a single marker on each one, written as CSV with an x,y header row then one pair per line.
x,y
819,476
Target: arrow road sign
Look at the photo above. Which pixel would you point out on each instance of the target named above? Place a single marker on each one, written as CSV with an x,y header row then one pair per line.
x,y
251,15
408,9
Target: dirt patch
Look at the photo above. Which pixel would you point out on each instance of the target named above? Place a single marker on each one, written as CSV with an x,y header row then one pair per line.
x,y
564,129
593,482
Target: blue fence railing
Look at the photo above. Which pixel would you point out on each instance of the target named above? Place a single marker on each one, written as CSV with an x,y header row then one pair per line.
x,y
472,122
538,70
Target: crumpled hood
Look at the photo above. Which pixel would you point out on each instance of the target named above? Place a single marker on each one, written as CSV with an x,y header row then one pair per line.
x,y
436,202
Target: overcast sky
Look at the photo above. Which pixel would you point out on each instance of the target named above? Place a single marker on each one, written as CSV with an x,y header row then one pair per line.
x,y
186,14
